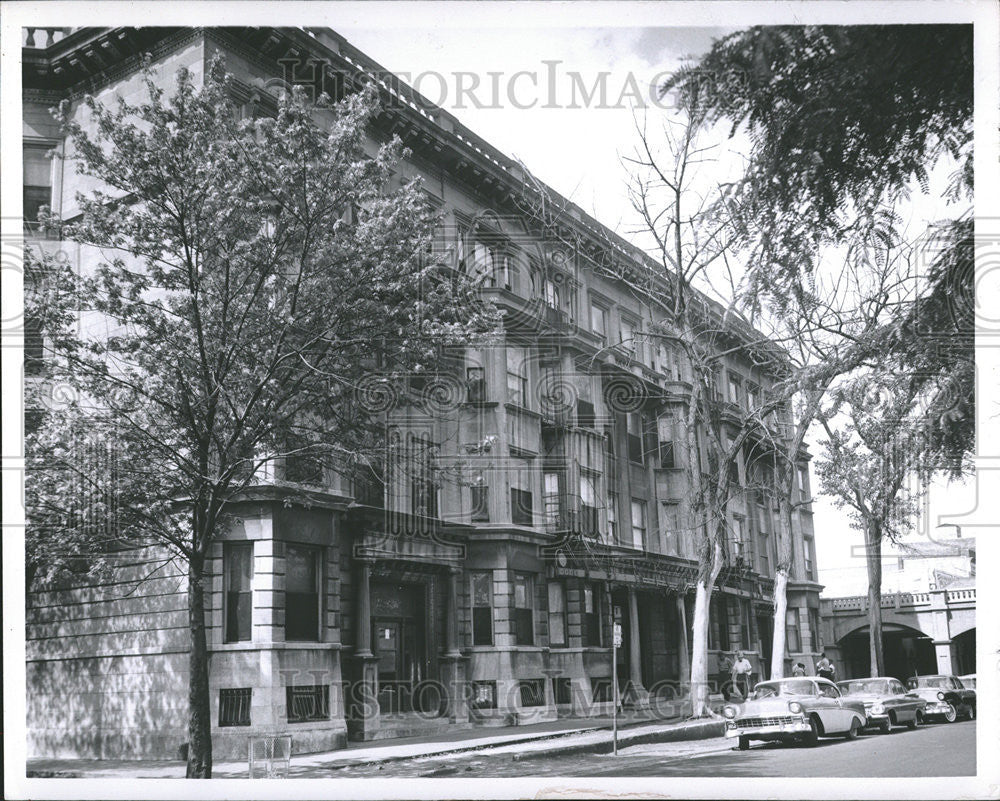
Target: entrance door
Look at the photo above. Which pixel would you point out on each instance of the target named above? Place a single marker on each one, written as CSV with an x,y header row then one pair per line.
x,y
389,649
765,629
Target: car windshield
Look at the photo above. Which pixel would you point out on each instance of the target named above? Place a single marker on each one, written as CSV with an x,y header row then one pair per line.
x,y
865,687
792,687
930,681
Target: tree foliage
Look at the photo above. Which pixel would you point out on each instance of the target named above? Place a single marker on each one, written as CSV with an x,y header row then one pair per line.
x,y
259,284
844,123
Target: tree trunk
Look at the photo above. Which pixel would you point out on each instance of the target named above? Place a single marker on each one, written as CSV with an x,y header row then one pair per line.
x,y
782,572
199,759
873,553
778,637
699,645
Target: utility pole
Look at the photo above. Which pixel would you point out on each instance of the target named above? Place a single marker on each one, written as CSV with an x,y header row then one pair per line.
x,y
616,643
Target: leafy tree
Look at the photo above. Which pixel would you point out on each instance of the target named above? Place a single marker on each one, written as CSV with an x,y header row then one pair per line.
x,y
868,467
258,280
845,122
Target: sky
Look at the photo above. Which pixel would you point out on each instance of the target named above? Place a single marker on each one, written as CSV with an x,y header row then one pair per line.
x,y
525,89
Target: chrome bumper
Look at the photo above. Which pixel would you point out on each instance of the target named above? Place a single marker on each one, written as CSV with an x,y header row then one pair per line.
x,y
875,720
801,727
940,708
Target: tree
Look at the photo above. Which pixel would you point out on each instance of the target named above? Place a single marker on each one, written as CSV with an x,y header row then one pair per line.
x,y
260,279
868,466
844,123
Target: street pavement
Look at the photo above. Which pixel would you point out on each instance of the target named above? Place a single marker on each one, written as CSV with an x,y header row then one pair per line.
x,y
932,750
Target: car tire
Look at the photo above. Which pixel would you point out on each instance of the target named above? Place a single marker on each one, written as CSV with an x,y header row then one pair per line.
x,y
854,731
810,739
885,727
972,712
912,724
951,715
743,744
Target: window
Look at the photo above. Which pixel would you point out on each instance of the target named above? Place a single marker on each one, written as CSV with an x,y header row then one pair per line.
x,y
807,550
638,523
670,529
829,691
480,501
588,505
802,480
633,426
484,695
532,692
234,707
551,499
424,498
475,382
591,616
663,360
718,615
307,703
626,335
237,561
599,321
666,454
584,413
482,607
550,292
763,554
601,690
753,396
738,551
562,690
517,377
557,613
735,390
302,595
524,624
520,507
612,517
746,624
793,637
37,183
814,629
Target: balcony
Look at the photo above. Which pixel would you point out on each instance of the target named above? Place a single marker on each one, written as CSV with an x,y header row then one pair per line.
x,y
40,38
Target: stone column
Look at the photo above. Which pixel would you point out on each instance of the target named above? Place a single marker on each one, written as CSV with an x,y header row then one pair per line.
x,y
942,650
365,720
453,664
639,695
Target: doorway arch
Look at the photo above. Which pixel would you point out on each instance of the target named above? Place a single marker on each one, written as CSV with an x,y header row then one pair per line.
x,y
907,652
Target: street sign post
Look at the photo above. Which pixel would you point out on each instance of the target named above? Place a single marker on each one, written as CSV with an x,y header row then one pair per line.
x,y
616,643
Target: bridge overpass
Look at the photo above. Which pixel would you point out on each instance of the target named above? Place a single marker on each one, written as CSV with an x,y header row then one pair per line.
x,y
923,632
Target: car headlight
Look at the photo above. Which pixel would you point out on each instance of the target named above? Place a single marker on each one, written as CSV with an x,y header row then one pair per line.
x,y
795,707
877,708
940,696
729,712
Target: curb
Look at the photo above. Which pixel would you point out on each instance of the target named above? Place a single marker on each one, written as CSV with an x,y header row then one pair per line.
x,y
693,731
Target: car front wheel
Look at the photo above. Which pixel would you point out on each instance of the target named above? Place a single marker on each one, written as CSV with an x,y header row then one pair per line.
x,y
912,724
854,731
972,712
885,726
951,714
812,736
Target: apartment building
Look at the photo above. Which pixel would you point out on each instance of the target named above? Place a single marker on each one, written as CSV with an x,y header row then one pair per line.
x,y
529,498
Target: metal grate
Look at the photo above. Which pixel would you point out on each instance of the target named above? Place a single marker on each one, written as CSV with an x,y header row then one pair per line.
x,y
532,692
306,703
234,706
776,721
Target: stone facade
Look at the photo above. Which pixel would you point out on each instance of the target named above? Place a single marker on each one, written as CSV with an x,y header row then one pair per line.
x,y
482,592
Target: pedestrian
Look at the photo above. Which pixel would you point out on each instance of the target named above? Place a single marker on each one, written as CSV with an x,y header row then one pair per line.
x,y
799,669
727,685
741,674
825,668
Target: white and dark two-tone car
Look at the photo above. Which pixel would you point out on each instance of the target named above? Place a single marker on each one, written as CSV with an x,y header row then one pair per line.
x,y
799,709
887,703
946,697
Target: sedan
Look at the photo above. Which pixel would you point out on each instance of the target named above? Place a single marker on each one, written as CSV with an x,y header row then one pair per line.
x,y
946,696
794,710
886,701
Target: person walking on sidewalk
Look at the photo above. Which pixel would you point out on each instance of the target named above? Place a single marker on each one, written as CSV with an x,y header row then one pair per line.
x,y
825,668
741,674
799,669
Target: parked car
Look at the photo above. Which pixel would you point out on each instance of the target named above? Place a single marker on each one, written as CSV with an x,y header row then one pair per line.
x,y
797,709
886,701
945,695
968,681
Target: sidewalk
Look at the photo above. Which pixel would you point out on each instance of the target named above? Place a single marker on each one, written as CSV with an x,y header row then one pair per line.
x,y
532,741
